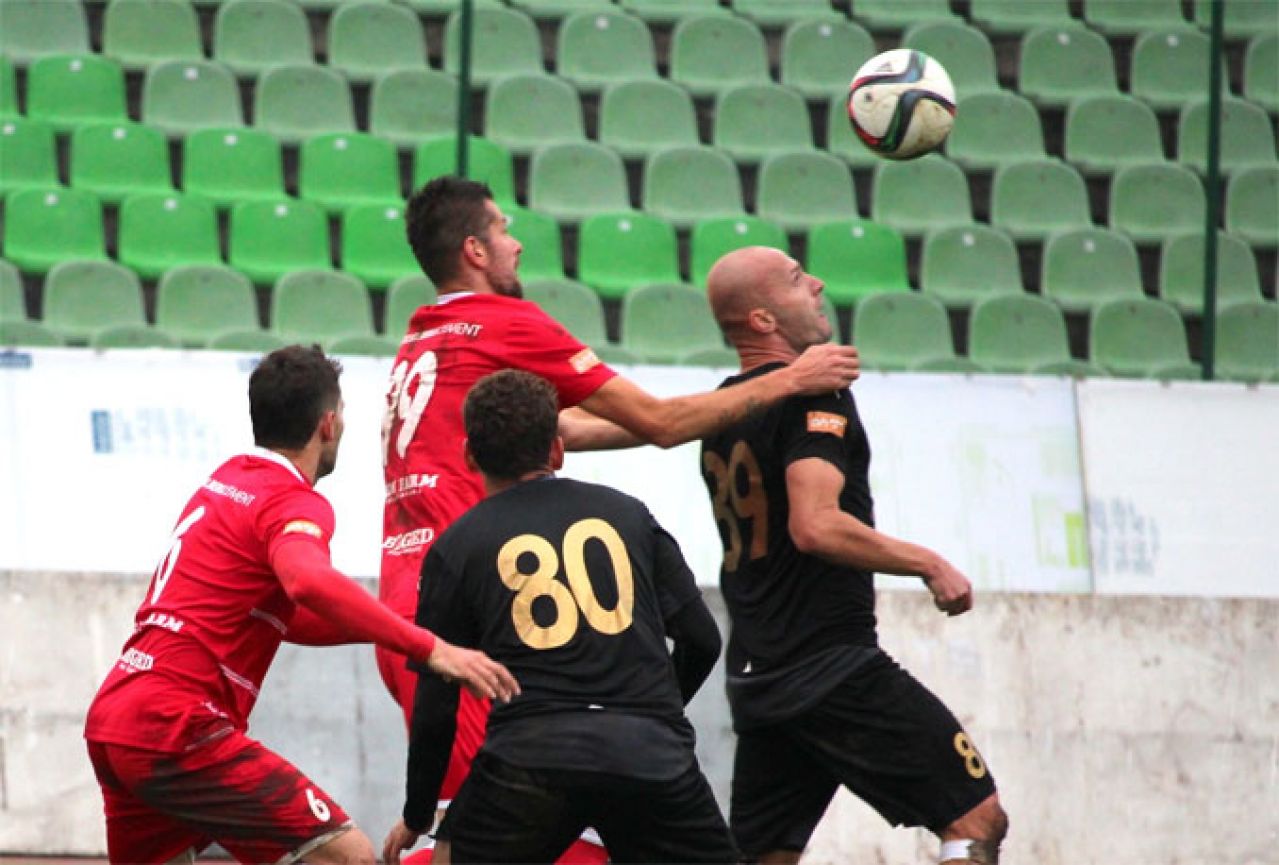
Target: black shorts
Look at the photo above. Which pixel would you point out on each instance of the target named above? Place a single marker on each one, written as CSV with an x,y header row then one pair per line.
x,y
505,813
882,735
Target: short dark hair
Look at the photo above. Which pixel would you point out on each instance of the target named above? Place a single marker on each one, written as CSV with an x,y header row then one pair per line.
x,y
440,217
511,418
288,393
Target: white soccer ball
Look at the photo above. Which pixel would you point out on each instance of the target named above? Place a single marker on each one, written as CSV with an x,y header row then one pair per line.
x,y
901,103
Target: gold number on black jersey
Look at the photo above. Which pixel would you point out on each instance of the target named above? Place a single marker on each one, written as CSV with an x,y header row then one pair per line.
x,y
973,762
731,504
577,595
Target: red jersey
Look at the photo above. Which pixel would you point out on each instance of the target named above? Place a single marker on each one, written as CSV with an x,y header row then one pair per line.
x,y
215,613
448,348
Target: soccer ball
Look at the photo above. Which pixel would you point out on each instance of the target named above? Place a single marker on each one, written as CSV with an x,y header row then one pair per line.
x,y
901,103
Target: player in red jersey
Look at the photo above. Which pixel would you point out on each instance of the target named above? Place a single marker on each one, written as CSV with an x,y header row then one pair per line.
x,y
247,567
480,325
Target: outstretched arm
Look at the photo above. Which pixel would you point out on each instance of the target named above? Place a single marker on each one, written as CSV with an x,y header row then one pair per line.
x,y
819,527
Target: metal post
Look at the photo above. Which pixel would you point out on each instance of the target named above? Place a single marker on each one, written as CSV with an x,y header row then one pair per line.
x,y
1214,194
466,33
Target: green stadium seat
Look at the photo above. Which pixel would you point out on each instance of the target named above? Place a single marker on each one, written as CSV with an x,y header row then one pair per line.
x,y
367,39
539,235
8,89
755,121
713,238
115,160
486,161
248,341
1131,17
881,15
363,345
920,195
964,51
40,29
160,231
993,129
1084,268
572,304
295,102
1260,72
1181,272
1106,133
13,306
45,226
181,96
640,117
574,181
1151,202
28,155
618,251
1170,68
227,166
855,259
713,53
27,334
1062,63
1247,136
403,298
131,336
137,33
525,112
1247,346
345,169
1017,333
373,245
1009,17
1140,337
332,6
409,105
1243,18
770,13
841,141
672,11
720,357
437,8
554,10
1252,205
664,323
963,264
686,184
802,189
505,43
900,330
1020,191
69,91
83,297
320,305
268,239
251,36
819,56
950,365
604,46
197,302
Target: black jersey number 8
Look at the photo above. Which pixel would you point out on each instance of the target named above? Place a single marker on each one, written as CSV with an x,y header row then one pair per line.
x,y
541,583
731,504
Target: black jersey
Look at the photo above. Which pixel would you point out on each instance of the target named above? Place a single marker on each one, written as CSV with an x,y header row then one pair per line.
x,y
798,623
571,586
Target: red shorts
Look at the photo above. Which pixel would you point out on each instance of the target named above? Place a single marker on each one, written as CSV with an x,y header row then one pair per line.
x,y
233,791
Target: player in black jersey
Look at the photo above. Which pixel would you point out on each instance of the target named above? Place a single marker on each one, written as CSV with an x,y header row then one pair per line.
x,y
815,702
576,588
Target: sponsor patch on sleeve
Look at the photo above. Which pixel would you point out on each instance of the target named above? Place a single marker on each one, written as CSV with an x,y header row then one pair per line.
x,y
584,360
306,527
826,422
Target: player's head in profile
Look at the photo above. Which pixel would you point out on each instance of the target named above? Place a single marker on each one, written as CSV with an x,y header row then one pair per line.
x,y
459,237
763,299
295,402
512,427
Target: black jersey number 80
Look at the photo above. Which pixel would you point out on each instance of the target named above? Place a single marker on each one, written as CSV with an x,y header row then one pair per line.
x,y
541,583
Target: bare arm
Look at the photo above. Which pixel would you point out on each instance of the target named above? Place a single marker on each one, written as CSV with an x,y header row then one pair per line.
x,y
673,421
583,431
818,527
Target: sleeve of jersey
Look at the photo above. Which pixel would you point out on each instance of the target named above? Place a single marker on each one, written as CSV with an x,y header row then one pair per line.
x,y
543,347
294,515
816,427
440,609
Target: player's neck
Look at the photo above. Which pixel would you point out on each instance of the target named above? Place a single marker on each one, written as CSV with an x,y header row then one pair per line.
x,y
305,460
753,355
493,486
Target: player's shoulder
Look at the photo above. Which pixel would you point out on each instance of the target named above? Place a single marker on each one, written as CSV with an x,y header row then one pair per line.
x,y
253,479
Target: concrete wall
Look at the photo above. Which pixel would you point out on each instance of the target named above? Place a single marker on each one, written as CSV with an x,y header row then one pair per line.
x,y
1122,730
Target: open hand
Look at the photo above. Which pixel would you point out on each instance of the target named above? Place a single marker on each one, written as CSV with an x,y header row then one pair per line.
x,y
479,673
824,368
400,838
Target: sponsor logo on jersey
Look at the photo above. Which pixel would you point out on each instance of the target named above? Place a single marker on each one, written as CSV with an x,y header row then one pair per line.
x,y
408,543
240,497
305,527
410,485
826,422
459,328
584,360
162,620
134,661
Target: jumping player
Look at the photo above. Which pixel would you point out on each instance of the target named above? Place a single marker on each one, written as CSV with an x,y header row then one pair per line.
x,y
247,567
815,702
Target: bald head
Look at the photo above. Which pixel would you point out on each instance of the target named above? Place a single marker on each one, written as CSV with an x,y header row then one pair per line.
x,y
739,282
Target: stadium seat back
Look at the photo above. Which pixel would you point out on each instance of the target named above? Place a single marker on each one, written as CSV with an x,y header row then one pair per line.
x,y
1065,62
1252,205
754,121
919,195
1151,202
962,264
1261,71
296,102
1016,333
363,345
993,129
671,11
27,334
525,112
403,298
320,305
119,159
1241,19
620,251
82,297
407,106
572,304
1106,133
68,91
28,154
712,53
1170,68
1019,193
542,256
881,15
1140,337
599,47
577,180
857,258
1248,342
1005,17
899,330
39,29
820,54
1181,272
802,189
367,39
965,52
374,246
251,36
664,323
271,238
505,43
486,161
249,341
769,13
640,117
1089,266
137,33
841,141
1131,17
131,336
344,169
1247,136
197,302
686,184
45,226
158,231
182,96
231,165
13,305
8,89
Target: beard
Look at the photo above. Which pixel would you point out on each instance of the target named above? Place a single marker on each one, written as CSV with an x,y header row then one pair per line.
x,y
514,288
328,462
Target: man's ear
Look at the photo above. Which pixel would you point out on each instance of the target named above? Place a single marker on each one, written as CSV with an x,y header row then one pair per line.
x,y
556,460
761,320
327,428
474,253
